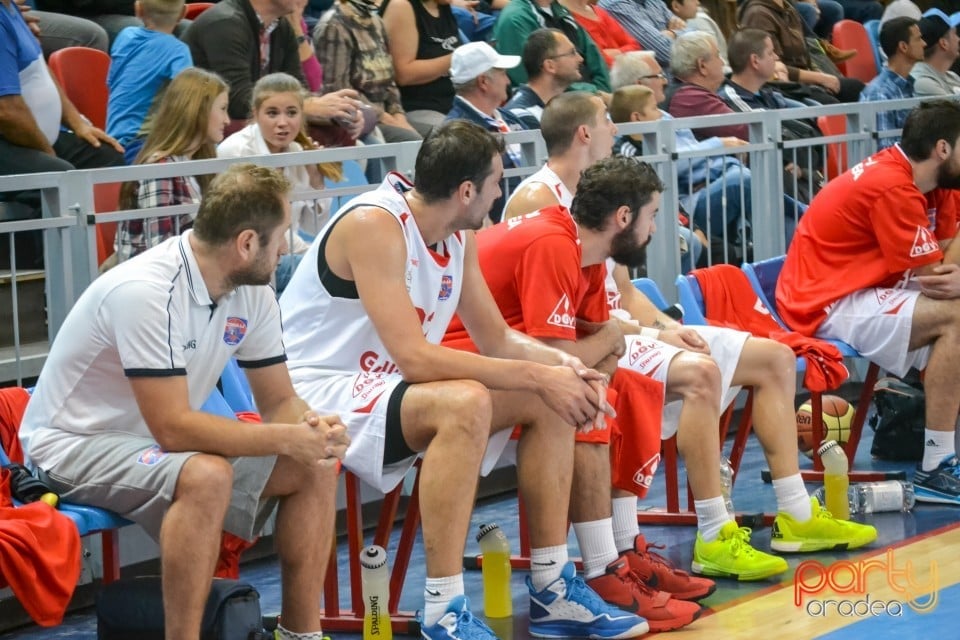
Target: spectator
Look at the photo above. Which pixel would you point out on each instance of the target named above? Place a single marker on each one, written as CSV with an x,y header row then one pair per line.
x,y
649,22
143,61
933,76
349,42
422,35
714,190
33,108
279,127
883,235
552,65
57,30
479,76
820,16
900,39
115,423
697,19
191,119
861,10
372,279
521,18
224,39
602,28
698,67
754,61
477,17
780,19
312,71
112,15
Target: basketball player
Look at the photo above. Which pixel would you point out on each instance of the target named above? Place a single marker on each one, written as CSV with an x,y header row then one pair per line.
x,y
363,316
873,264
701,370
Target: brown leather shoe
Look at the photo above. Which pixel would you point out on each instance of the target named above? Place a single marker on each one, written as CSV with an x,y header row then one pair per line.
x,y
837,54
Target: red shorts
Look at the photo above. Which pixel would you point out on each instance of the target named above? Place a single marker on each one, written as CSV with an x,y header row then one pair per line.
x,y
635,433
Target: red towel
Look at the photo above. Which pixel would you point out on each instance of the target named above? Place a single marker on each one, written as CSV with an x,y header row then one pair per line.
x,y
732,302
13,402
635,432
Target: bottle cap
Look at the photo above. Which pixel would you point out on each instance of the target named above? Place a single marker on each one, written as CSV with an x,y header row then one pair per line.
x,y
826,446
485,529
373,557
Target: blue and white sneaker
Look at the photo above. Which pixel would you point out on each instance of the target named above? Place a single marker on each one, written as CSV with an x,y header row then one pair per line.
x,y
940,485
457,624
567,607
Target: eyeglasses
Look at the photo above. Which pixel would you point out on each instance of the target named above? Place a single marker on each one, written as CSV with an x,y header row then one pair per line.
x,y
659,76
565,55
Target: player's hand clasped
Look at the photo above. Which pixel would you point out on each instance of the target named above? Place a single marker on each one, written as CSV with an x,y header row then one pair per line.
x,y
943,283
325,441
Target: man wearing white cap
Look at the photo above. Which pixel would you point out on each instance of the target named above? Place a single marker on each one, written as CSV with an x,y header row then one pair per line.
x,y
479,76
933,76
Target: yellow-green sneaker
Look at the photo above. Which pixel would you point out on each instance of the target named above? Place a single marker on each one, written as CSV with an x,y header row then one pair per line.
x,y
822,532
731,556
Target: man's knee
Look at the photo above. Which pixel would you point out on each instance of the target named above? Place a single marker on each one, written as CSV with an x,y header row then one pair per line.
x,y
468,411
206,479
694,377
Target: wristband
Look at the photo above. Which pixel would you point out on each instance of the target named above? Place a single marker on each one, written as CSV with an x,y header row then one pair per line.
x,y
649,332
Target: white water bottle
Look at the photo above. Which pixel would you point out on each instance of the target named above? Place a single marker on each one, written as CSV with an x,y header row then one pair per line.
x,y
726,484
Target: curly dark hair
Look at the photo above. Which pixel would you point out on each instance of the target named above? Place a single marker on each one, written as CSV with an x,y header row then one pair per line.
x,y
457,151
610,184
928,123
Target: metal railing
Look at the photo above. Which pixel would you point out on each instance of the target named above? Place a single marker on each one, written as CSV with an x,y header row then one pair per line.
x,y
70,215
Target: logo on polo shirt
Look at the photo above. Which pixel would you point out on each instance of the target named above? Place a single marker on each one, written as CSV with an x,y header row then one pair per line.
x,y
234,330
924,243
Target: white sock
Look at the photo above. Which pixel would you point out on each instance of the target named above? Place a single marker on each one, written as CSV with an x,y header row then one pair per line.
x,y
286,634
596,546
937,445
711,516
625,527
792,497
437,594
546,563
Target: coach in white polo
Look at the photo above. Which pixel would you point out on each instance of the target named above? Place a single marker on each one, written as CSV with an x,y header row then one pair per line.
x,y
114,420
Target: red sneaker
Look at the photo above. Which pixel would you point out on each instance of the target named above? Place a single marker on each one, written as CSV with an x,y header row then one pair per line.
x,y
622,588
659,573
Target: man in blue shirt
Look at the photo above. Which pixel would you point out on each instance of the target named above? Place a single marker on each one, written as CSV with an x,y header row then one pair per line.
x,y
650,22
900,39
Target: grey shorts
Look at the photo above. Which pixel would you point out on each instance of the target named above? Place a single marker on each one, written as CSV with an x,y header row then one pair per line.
x,y
130,475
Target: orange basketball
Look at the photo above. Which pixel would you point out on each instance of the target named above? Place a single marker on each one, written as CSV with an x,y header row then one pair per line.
x,y
837,418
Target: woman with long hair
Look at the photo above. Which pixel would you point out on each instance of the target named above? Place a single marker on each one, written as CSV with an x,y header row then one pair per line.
x,y
188,125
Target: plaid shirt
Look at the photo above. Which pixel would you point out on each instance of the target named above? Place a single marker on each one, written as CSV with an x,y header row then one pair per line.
x,y
354,55
889,85
136,236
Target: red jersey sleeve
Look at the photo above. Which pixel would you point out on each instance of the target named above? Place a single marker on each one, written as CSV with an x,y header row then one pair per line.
x,y
902,230
549,281
594,305
945,203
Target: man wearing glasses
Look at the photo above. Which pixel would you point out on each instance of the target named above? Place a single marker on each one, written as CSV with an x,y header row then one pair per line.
x,y
552,64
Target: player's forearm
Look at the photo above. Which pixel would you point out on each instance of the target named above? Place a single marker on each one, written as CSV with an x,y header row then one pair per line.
x,y
208,433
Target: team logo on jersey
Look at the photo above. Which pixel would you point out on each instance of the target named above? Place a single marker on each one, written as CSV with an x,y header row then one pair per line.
x,y
924,243
446,287
642,353
368,388
371,362
562,315
152,456
759,307
234,330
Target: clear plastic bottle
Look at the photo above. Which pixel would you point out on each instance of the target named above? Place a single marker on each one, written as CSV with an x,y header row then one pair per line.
x,y
836,482
497,599
876,497
726,484
375,585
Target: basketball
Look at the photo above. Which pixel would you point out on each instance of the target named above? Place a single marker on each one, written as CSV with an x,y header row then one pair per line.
x,y
837,418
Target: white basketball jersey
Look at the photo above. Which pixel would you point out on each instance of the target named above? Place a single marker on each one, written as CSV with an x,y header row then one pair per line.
x,y
546,176
333,334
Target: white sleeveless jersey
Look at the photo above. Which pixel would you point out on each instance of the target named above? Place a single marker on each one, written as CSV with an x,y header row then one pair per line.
x,y
329,334
546,176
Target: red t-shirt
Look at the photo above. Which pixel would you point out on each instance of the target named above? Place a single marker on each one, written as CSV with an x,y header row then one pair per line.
x,y
867,228
607,33
532,266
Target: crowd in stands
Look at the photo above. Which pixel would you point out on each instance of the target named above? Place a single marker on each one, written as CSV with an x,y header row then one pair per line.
x,y
447,340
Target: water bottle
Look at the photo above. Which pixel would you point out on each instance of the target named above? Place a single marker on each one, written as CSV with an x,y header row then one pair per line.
x,y
375,585
497,599
836,482
875,497
726,484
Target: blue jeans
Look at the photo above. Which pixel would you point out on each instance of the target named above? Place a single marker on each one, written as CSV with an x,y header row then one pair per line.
x,y
479,31
723,202
831,12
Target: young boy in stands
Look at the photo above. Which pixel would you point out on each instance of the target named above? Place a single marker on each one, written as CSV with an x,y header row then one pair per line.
x,y
144,60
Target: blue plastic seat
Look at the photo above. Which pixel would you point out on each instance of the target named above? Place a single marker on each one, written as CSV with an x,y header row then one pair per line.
x,y
873,32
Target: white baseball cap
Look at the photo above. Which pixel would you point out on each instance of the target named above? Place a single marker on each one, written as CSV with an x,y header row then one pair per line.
x,y
472,59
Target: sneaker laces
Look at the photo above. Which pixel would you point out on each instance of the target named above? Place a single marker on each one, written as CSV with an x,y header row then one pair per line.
x,y
578,591
740,542
659,559
472,627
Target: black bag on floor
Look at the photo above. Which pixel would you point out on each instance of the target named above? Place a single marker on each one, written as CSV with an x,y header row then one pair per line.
x,y
132,609
898,419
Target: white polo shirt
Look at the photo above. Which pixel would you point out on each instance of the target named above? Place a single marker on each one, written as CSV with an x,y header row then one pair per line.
x,y
150,316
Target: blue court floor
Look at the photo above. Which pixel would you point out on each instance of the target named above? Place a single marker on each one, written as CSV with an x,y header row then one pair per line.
x,y
919,545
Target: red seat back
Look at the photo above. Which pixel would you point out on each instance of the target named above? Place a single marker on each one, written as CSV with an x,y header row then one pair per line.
x,y
82,73
196,8
848,34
